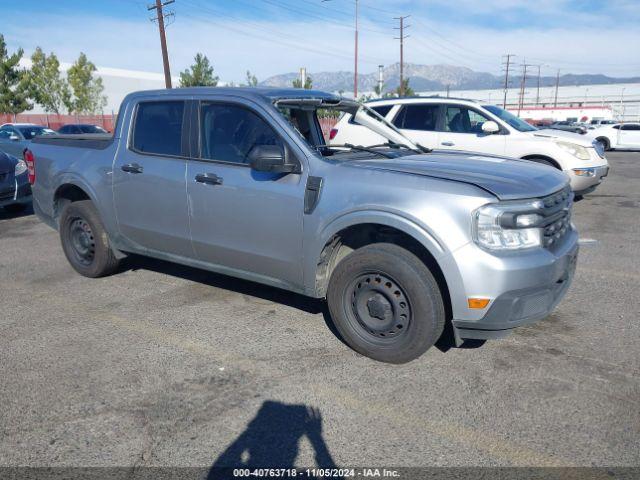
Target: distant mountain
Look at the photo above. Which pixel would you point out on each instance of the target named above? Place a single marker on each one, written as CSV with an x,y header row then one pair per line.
x,y
435,77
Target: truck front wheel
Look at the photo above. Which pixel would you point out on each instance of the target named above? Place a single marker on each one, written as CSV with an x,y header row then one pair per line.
x,y
84,240
385,303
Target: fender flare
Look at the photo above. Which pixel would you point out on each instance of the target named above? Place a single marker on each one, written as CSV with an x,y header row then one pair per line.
x,y
392,219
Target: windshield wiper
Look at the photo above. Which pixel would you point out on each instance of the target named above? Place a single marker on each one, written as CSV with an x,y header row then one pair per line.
x,y
391,144
359,148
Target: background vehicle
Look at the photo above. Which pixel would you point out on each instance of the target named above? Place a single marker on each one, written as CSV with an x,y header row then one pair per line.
x,y
15,190
239,181
568,127
618,136
15,137
598,123
80,128
458,124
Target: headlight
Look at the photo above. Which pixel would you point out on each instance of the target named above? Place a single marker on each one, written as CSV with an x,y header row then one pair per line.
x,y
21,167
509,226
576,150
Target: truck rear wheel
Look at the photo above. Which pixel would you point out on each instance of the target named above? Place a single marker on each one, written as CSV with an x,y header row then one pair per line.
x,y
385,303
84,240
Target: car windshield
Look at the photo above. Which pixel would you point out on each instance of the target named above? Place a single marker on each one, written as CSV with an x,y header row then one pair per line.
x,y
510,118
29,132
314,119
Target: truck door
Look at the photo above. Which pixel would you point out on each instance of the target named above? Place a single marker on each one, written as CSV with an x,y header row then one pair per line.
x,y
149,179
241,219
629,135
462,130
419,121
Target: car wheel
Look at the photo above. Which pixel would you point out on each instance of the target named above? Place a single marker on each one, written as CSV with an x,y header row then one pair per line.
x,y
385,303
84,240
605,143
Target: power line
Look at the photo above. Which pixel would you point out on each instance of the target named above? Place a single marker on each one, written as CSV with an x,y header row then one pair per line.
x,y
160,16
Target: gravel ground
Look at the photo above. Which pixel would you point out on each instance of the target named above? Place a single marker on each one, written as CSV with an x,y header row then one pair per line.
x,y
168,365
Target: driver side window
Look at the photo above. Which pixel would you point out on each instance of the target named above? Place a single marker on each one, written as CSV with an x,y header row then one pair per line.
x,y
228,133
463,120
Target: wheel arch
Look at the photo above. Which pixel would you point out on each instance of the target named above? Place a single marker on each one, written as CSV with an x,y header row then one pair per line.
x,y
534,157
364,228
606,140
66,192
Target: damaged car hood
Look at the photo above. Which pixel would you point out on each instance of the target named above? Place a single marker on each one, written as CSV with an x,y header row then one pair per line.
x,y
507,179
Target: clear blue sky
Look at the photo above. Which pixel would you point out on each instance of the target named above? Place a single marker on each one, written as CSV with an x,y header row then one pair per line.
x,y
277,36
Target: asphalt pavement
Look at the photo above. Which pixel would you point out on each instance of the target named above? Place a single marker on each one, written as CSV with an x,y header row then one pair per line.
x,y
167,365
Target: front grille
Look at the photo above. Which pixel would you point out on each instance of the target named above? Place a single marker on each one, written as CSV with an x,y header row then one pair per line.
x,y
557,216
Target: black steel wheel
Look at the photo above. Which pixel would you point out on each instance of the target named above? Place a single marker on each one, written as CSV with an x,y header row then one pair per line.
x,y
386,303
85,241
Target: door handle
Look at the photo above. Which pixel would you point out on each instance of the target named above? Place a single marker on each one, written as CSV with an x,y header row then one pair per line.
x,y
448,144
131,168
209,178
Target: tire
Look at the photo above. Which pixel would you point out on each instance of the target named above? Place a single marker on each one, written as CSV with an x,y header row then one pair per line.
x,y
385,303
85,241
15,208
605,143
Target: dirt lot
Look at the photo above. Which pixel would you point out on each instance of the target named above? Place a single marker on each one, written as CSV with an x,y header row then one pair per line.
x,y
167,365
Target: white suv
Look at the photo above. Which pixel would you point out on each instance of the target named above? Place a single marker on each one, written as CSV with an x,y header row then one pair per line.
x,y
459,124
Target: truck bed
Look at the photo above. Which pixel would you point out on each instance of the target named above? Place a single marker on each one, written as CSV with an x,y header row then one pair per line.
x,y
94,141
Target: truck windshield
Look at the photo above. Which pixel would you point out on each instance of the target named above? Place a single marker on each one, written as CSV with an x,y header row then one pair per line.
x,y
314,123
510,118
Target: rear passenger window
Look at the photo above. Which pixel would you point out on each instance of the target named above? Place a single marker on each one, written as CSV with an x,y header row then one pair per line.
x,y
417,117
228,133
158,128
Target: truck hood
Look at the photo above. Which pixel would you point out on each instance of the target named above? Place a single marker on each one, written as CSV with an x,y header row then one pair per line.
x,y
507,179
549,133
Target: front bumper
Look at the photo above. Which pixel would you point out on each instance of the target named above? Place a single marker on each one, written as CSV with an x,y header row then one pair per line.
x,y
523,288
585,180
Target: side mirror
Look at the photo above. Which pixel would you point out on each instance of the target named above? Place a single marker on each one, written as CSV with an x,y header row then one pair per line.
x,y
490,127
14,137
270,158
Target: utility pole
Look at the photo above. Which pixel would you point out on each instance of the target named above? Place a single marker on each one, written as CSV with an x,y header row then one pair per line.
x,y
303,77
522,86
163,39
355,59
538,88
555,101
401,38
448,88
355,56
380,80
507,63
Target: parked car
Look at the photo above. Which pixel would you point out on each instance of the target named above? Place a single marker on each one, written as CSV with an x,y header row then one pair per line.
x,y
400,240
459,124
80,128
618,136
600,122
568,126
15,137
15,190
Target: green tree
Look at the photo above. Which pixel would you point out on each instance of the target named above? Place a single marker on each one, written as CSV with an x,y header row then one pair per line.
x,y
46,86
200,74
308,83
252,80
408,91
86,91
14,93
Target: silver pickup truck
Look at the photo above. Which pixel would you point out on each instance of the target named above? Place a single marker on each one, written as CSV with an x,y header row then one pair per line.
x,y
402,241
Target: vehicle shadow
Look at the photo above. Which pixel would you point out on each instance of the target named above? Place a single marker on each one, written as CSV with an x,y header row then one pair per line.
x,y
244,287
271,440
9,215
